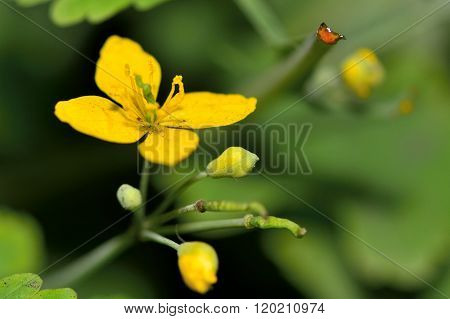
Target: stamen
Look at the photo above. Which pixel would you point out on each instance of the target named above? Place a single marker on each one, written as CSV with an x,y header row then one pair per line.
x,y
172,101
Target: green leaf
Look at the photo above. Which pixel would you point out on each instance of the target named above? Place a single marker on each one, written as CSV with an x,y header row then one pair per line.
x,y
27,286
147,4
21,243
69,12
62,293
20,286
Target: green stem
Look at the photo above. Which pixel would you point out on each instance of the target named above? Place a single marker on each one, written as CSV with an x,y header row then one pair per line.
x,y
230,206
248,222
265,22
90,262
176,191
143,187
202,226
296,68
202,206
147,235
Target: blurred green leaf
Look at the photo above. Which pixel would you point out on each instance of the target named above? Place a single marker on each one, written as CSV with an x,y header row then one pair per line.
x,y
443,285
27,286
21,243
147,4
264,21
30,3
116,281
311,264
69,12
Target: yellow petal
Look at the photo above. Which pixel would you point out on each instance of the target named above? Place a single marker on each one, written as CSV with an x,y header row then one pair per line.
x,y
118,58
204,109
100,118
168,146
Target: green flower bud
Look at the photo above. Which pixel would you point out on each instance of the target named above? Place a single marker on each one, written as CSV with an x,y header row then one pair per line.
x,y
233,162
130,198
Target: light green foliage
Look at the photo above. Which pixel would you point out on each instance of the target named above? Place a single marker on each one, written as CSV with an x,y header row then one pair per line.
x,y
27,286
21,243
312,264
69,12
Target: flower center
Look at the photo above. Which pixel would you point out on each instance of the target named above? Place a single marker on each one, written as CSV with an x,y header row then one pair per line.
x,y
144,104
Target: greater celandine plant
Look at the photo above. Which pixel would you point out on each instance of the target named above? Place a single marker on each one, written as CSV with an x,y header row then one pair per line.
x,y
131,77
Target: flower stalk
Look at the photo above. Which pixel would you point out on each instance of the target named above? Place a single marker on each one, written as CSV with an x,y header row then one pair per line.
x,y
147,235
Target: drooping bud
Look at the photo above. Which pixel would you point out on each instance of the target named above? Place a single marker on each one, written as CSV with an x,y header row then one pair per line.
x,y
362,72
233,162
198,264
130,198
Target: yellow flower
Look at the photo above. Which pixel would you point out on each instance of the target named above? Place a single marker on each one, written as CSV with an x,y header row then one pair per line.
x,y
362,72
198,265
233,162
131,77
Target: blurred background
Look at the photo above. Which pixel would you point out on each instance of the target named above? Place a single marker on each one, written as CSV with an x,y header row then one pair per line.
x,y
380,172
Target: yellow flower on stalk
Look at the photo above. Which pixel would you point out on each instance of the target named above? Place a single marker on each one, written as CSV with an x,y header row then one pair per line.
x,y
362,72
131,77
198,265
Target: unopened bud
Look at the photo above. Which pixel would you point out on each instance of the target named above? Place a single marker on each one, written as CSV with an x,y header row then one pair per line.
x,y
198,264
233,162
362,72
130,198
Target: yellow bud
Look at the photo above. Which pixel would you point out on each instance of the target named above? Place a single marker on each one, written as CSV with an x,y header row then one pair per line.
x,y
129,197
362,72
233,162
198,265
